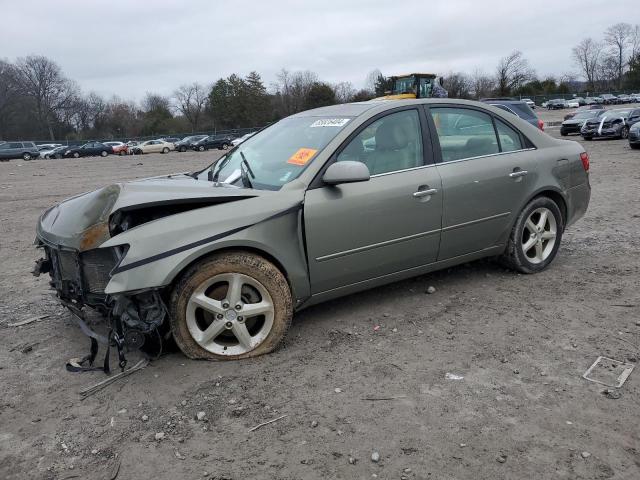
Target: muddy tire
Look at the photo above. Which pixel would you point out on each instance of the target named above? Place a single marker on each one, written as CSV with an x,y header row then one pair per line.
x,y
535,237
208,325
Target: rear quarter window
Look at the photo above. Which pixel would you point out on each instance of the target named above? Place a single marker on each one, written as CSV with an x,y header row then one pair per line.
x,y
523,110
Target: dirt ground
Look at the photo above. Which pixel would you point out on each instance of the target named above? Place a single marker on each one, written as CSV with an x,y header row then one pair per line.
x,y
520,343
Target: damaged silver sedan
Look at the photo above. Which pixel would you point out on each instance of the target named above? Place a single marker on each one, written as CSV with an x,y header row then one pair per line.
x,y
319,205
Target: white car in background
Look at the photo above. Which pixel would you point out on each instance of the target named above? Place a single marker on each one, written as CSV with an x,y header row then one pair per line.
x,y
239,140
573,103
529,102
152,146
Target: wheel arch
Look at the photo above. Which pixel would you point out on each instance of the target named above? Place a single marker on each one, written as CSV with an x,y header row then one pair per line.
x,y
240,248
558,198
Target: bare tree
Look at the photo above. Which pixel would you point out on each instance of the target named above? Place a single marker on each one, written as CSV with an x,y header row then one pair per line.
x,y
635,42
291,90
344,92
512,71
482,85
372,80
8,92
458,85
587,55
42,80
191,100
618,37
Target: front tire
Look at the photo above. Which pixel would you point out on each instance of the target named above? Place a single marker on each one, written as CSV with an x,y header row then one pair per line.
x,y
165,150
201,148
230,306
76,155
535,237
624,133
103,153
26,156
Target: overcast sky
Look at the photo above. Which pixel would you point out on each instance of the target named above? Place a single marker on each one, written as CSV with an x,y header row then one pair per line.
x,y
130,47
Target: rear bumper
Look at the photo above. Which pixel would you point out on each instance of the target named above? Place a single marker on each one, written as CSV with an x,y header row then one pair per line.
x,y
578,201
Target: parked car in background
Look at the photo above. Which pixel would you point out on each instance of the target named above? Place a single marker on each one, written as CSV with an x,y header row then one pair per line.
x,y
239,140
152,146
47,146
580,100
518,108
556,104
634,117
187,142
625,98
48,149
609,99
529,102
634,135
173,140
586,108
572,103
119,148
222,257
574,124
23,150
613,124
89,149
57,152
221,142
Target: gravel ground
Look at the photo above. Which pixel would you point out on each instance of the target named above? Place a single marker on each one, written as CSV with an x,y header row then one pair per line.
x,y
479,380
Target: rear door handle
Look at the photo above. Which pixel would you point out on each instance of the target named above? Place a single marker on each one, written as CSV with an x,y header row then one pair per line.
x,y
425,193
519,173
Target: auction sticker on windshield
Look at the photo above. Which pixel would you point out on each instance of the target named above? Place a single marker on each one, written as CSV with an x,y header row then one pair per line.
x,y
302,156
330,122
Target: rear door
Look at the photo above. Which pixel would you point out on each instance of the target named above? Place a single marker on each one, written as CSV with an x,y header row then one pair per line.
x,y
487,172
361,231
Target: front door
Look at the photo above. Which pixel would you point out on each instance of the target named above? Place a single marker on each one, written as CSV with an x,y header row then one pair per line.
x,y
487,172
361,231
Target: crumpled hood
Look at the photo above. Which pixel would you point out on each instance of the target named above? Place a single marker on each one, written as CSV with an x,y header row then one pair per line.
x,y
81,222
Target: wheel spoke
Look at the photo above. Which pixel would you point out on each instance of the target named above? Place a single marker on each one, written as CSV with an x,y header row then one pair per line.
x,y
207,303
212,331
235,289
253,309
542,221
530,225
242,335
547,235
528,244
539,251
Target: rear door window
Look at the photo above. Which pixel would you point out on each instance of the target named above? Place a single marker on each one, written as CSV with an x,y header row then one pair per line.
x,y
510,139
15,145
464,133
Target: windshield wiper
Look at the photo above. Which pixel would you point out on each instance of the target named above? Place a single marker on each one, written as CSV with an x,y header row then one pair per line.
x,y
243,173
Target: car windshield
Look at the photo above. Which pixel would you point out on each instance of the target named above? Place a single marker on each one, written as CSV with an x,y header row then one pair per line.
x,y
278,154
622,113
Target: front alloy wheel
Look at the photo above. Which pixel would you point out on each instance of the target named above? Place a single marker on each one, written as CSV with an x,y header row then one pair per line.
x,y
230,306
26,156
103,153
535,237
624,133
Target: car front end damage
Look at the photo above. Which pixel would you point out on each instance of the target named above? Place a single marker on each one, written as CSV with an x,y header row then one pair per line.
x,y
117,250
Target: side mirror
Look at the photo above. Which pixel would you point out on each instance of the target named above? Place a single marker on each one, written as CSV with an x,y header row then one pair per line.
x,y
346,172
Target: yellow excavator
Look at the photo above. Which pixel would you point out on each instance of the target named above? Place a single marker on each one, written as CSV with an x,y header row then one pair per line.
x,y
415,85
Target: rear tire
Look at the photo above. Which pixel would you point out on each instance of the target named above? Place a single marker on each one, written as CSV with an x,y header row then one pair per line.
x,y
260,282
26,156
624,133
103,153
535,237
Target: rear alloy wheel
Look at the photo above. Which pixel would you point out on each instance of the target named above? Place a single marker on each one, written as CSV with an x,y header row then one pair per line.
x,y
103,153
26,156
230,306
535,237
225,146
122,152
201,148
183,149
165,150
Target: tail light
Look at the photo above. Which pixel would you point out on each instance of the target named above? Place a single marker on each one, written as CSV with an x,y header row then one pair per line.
x,y
541,125
584,157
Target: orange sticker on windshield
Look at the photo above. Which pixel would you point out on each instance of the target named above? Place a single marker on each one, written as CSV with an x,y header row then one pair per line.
x,y
302,156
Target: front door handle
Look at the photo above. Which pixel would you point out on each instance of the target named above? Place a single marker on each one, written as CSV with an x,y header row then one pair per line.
x,y
519,173
425,193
